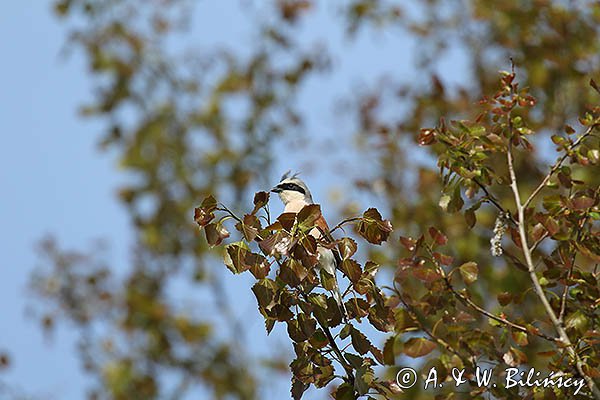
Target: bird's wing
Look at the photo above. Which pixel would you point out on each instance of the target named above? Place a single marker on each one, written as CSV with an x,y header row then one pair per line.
x,y
321,224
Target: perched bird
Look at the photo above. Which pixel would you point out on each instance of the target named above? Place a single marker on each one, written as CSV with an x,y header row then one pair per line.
x,y
294,194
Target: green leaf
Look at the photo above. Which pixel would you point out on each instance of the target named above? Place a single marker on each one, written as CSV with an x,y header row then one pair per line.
x,y
577,321
347,247
364,377
351,269
359,341
470,217
345,392
469,272
404,321
418,347
308,216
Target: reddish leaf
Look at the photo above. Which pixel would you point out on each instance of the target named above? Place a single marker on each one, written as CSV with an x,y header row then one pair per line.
x,y
583,202
426,274
514,357
408,243
287,220
443,259
426,137
438,236
204,214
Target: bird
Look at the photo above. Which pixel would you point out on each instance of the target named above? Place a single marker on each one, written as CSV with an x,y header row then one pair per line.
x,y
294,194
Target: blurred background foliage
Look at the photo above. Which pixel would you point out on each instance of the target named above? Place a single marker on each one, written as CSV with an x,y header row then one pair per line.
x,y
186,121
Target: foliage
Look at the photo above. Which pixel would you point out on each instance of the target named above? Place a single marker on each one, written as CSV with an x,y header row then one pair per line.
x,y
169,121
432,291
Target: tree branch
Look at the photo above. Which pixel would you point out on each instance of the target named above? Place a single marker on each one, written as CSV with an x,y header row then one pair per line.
x,y
531,268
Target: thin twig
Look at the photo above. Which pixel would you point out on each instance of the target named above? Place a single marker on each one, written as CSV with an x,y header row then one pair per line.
x,y
493,200
537,242
438,340
347,220
470,303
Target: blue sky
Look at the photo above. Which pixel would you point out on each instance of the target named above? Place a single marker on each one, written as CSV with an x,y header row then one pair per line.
x,y
53,179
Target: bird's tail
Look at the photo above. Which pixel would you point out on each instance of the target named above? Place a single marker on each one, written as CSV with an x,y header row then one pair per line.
x,y
337,295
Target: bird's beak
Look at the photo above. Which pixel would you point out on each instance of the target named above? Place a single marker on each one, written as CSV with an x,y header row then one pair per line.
x,y
276,189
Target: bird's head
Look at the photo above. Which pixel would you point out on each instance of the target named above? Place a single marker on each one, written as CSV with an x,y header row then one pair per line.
x,y
291,188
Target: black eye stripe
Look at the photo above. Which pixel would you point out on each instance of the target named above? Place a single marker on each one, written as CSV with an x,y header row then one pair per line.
x,y
292,186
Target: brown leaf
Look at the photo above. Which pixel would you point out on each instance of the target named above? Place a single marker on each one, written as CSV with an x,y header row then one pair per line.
x,y
347,247
308,216
260,200
351,269
287,220
389,355
583,202
520,338
215,233
298,389
204,214
418,347
504,298
250,226
373,228
425,274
